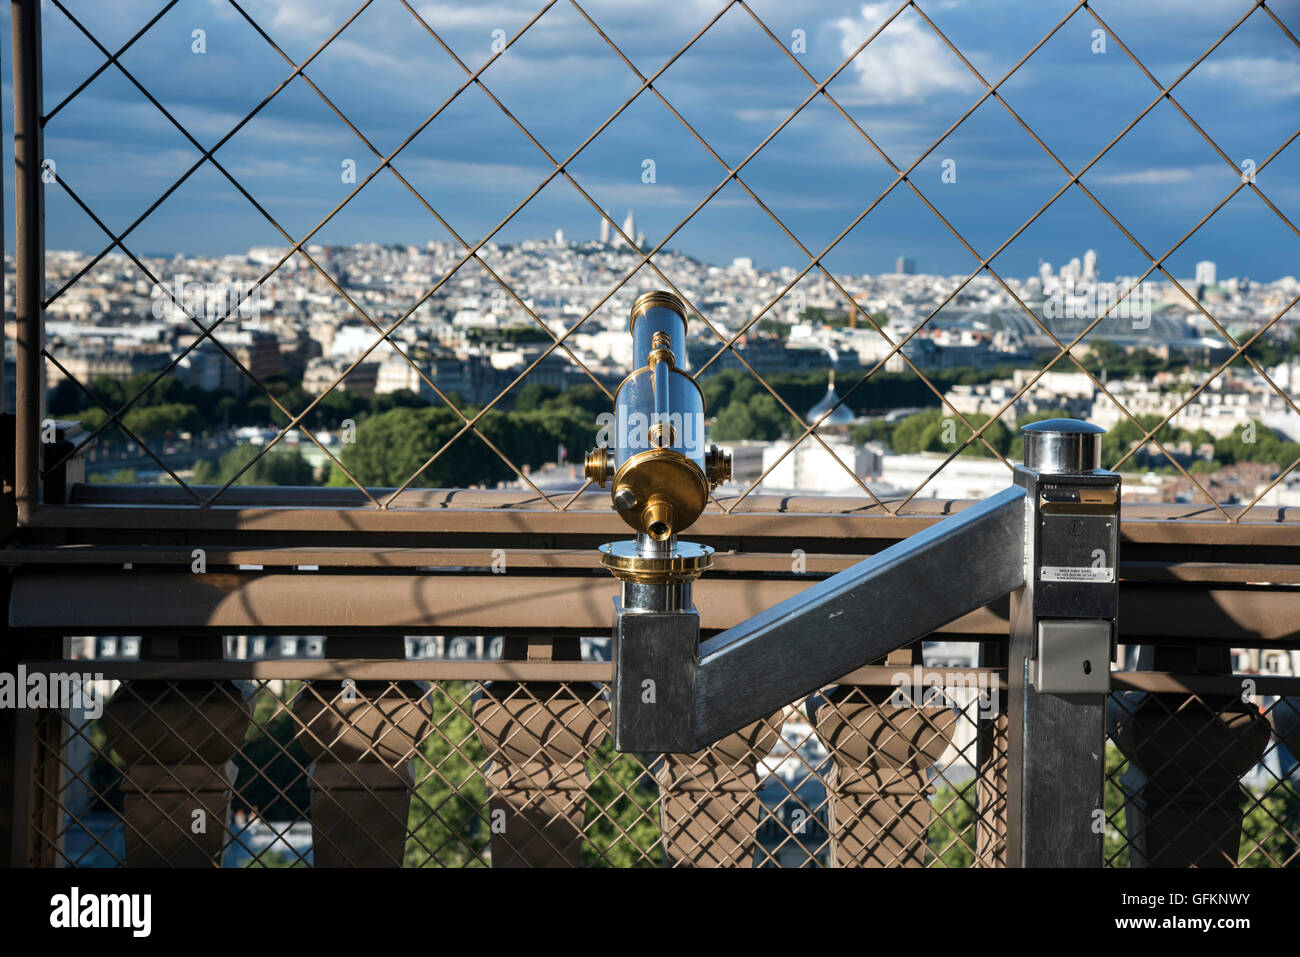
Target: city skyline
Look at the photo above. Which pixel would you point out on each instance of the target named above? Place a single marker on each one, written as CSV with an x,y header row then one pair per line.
x,y
1080,270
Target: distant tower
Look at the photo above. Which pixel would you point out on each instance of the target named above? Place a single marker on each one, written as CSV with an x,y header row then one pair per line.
x,y
1090,266
1045,273
1206,273
629,227
1070,273
559,237
604,230
905,266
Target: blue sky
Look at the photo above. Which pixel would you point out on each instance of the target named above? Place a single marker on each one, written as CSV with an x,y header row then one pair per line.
x,y
735,86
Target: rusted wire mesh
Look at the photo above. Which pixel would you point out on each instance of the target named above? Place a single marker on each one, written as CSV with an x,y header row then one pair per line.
x,y
504,774
1202,780
653,267
523,774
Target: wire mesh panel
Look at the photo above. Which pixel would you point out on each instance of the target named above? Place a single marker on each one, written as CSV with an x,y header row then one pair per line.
x,y
1202,780
279,773
132,425
1200,771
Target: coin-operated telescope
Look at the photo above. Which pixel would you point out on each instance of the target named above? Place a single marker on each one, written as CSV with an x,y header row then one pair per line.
x,y
1050,541
658,469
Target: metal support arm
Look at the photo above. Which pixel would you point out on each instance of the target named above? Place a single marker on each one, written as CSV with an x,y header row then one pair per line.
x,y
808,641
863,613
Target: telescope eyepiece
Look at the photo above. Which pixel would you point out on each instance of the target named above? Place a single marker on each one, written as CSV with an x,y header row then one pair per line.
x,y
659,299
659,521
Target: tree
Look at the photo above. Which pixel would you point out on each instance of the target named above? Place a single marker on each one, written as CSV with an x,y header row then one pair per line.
x,y
910,435
168,418
280,466
1255,442
448,819
532,395
873,431
1115,852
734,424
951,835
392,446
940,430
395,445
1126,433
622,823
116,477
271,763
1270,832
383,401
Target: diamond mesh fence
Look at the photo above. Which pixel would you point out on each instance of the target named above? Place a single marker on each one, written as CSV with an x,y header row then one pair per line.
x,y
1202,780
504,774
475,773
1148,438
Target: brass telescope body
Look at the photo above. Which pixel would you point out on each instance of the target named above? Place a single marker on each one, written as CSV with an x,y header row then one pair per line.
x,y
658,469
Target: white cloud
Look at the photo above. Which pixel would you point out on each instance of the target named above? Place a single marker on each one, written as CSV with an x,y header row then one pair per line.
x,y
1149,177
483,17
1161,175
905,63
308,16
1267,76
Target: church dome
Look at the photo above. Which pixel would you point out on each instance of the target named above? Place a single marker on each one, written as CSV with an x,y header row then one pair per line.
x,y
841,415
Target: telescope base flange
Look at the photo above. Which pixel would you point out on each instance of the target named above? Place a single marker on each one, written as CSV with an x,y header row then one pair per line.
x,y
685,563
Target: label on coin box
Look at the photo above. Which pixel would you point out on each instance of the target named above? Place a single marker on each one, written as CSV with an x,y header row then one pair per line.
x,y
1077,548
1068,573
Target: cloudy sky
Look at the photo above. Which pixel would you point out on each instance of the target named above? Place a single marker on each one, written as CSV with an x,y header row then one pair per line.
x,y
562,80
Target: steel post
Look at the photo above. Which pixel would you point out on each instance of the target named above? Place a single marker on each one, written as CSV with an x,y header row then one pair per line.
x,y
1062,635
